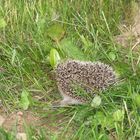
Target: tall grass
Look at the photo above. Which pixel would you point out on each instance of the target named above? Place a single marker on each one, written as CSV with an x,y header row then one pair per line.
x,y
90,26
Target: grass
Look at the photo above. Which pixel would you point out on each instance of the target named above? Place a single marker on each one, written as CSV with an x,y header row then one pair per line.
x,y
89,27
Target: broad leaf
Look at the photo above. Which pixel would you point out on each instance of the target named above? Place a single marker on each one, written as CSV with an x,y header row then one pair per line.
x,y
112,56
96,101
56,32
118,115
71,50
54,57
24,101
104,121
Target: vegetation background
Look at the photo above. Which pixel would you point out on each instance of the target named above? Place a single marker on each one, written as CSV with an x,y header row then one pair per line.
x,y
36,35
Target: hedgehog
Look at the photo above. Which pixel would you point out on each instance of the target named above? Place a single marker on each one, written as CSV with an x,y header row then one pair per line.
x,y
91,77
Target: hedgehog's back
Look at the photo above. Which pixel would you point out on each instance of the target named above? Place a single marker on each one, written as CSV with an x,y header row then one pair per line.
x,y
92,76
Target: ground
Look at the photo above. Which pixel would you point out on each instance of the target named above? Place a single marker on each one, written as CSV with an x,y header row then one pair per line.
x,y
35,36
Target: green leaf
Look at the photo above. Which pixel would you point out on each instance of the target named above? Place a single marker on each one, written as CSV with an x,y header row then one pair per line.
x,y
105,121
2,23
99,116
118,115
112,56
136,99
54,57
71,51
56,32
24,101
96,101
